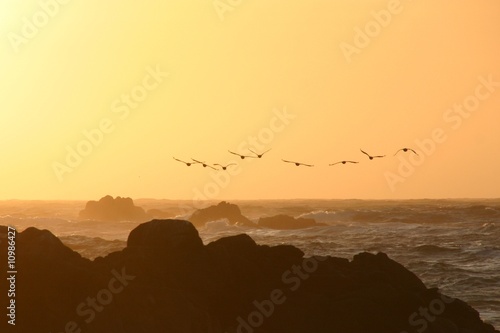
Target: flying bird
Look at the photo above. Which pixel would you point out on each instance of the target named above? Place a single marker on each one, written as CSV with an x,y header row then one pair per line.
x,y
204,164
343,162
187,163
259,155
298,163
370,156
241,156
405,150
224,167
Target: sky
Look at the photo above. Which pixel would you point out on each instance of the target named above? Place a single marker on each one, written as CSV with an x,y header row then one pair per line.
x,y
97,98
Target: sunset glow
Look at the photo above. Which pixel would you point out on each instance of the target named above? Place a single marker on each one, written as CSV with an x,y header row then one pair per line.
x,y
97,98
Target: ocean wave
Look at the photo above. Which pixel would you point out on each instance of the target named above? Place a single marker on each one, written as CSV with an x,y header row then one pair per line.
x,y
92,247
482,210
434,249
325,216
489,226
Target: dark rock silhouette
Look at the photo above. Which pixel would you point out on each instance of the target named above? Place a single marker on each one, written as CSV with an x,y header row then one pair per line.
x,y
223,210
166,280
166,240
117,209
287,222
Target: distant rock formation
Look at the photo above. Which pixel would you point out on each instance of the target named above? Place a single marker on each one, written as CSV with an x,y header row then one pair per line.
x,y
223,210
166,280
287,222
109,209
161,214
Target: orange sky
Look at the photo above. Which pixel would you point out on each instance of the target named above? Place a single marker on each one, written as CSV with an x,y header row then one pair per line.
x,y
127,86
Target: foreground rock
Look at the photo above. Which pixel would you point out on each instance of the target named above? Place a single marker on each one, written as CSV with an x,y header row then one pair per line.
x,y
287,222
223,210
109,209
166,280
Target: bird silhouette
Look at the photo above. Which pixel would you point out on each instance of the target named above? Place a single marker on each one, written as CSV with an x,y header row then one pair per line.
x,y
298,163
187,163
343,162
224,167
204,164
370,156
241,156
405,150
259,155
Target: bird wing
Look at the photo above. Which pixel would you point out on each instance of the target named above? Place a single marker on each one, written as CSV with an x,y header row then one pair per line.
x,y
253,152
230,164
352,162
211,167
196,161
288,161
218,164
398,151
308,165
413,151
266,151
335,163
178,160
234,153
379,156
364,152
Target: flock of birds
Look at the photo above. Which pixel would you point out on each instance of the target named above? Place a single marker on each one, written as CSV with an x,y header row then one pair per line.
x,y
257,155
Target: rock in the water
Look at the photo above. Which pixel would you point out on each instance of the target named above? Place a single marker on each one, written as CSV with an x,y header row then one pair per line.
x,y
109,209
223,210
161,214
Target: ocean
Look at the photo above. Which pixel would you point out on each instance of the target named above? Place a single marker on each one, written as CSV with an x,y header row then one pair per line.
x,y
453,245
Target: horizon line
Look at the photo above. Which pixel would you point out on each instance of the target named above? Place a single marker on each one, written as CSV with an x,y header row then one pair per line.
x,y
267,199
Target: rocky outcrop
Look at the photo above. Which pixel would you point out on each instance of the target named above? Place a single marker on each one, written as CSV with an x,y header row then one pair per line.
x,y
161,214
223,210
166,280
287,222
113,209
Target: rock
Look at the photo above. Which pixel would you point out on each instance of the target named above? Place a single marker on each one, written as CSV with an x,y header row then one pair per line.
x,y
162,239
223,210
284,222
166,280
53,248
160,214
396,274
109,209
50,277
241,244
